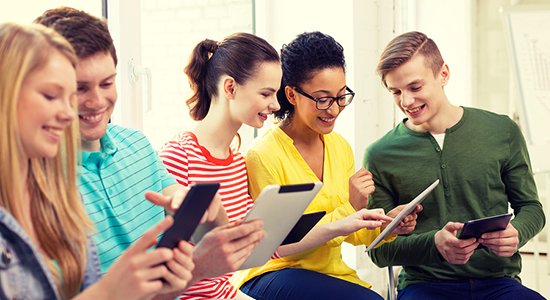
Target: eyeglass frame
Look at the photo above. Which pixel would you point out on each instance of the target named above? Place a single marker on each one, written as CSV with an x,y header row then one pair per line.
x,y
332,99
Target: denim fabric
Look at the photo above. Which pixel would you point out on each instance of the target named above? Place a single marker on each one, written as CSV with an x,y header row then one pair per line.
x,y
23,272
474,289
302,284
93,266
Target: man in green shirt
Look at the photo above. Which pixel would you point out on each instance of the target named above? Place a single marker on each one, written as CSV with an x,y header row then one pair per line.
x,y
482,163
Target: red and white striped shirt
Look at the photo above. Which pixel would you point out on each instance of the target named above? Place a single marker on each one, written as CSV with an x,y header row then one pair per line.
x,y
190,162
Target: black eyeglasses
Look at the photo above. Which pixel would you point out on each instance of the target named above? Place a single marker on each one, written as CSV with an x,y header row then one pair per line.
x,y
326,102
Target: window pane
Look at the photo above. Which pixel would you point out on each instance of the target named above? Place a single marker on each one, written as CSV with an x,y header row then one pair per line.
x,y
25,11
170,31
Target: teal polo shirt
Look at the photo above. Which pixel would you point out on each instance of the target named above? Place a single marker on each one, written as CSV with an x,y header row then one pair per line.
x,y
113,183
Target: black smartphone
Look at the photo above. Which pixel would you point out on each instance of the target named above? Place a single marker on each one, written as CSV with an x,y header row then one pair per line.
x,y
475,228
189,214
302,227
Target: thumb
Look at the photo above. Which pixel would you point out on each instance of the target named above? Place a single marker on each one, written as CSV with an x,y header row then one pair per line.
x,y
157,199
453,227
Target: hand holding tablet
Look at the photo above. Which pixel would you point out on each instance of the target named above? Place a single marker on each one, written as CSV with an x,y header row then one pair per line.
x,y
279,207
475,228
189,214
406,211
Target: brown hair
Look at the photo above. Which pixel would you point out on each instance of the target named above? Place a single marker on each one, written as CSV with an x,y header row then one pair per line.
x,y
87,34
238,55
403,48
58,217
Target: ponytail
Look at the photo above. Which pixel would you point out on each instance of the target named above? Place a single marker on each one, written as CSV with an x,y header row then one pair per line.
x,y
196,70
238,56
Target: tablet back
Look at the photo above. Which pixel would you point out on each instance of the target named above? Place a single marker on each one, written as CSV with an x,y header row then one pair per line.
x,y
409,208
279,207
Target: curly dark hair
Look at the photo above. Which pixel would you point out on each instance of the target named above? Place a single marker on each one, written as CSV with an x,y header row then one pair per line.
x,y
308,53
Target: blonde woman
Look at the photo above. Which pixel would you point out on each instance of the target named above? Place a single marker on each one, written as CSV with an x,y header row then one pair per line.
x,y
45,249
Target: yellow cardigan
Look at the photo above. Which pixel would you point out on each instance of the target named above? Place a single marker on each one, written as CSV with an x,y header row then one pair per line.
x,y
273,159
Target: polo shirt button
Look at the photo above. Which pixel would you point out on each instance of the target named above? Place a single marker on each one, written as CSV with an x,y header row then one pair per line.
x,y
437,149
443,166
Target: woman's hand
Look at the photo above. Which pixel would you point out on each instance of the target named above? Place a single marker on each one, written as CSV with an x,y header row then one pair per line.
x,y
409,222
225,248
364,218
141,274
172,197
361,186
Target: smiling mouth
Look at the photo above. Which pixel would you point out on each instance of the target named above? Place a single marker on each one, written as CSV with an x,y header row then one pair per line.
x,y
412,111
54,130
91,118
327,119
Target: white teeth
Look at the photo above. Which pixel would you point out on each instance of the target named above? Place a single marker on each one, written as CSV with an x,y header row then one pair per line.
x,y
415,110
327,120
55,131
91,118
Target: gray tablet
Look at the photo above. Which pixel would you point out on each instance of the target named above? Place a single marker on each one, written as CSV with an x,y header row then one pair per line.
x,y
406,211
279,207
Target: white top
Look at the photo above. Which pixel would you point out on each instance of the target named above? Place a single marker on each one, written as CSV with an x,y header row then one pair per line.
x,y
440,138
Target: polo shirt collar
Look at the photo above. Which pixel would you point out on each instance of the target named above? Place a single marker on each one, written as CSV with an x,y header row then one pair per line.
x,y
108,147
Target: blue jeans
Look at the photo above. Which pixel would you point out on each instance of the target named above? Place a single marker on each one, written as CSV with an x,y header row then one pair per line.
x,y
304,284
486,289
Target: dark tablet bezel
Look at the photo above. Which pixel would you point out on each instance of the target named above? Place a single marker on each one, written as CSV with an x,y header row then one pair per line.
x,y
304,225
189,214
475,228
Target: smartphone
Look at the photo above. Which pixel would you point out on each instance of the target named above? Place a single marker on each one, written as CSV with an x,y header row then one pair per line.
x,y
189,214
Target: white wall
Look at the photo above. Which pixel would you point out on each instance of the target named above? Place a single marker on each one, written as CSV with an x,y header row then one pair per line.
x,y
25,11
448,23
280,21
170,31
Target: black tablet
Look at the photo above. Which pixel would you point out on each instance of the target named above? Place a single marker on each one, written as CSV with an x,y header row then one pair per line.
x,y
189,214
475,228
304,225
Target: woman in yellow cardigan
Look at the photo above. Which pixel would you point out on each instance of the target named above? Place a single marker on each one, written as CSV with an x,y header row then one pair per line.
x,y
303,148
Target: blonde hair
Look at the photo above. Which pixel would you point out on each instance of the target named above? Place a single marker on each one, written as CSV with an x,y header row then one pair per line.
x,y
57,212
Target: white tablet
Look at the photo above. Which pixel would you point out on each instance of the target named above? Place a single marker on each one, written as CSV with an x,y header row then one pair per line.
x,y
279,207
406,211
